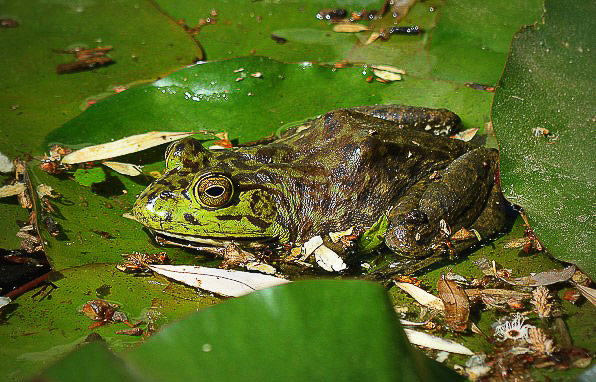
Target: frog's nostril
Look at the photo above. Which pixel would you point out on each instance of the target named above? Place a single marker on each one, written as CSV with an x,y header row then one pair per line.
x,y
416,217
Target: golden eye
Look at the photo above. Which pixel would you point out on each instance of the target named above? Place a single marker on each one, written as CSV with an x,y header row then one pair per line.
x,y
214,190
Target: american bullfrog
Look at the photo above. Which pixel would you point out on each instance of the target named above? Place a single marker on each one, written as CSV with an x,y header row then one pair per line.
x,y
341,172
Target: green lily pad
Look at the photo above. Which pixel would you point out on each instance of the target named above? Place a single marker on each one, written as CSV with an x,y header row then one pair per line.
x,y
547,85
43,325
224,96
297,331
35,99
471,39
464,41
87,177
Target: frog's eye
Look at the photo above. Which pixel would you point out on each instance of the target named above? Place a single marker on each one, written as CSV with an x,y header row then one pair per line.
x,y
214,190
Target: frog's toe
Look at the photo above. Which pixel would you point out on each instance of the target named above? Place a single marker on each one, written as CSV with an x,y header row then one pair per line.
x,y
411,235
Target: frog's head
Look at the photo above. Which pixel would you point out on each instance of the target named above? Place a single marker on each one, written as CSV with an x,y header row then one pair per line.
x,y
196,200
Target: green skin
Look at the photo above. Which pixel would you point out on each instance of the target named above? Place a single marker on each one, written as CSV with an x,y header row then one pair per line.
x,y
347,168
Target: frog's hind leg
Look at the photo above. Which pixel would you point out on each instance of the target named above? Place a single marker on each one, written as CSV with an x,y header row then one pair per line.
x,y
464,195
435,121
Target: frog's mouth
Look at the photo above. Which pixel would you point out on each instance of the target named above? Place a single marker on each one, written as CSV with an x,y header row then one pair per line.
x,y
199,242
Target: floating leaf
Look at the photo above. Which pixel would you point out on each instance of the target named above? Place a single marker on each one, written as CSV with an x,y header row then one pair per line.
x,y
123,146
547,83
374,236
87,177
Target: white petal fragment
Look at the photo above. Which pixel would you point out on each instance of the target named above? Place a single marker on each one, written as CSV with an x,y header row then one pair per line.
x,y
434,342
124,146
310,246
6,164
221,281
125,168
4,301
422,296
329,260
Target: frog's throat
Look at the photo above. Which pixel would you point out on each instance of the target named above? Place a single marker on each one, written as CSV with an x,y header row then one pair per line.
x,y
209,240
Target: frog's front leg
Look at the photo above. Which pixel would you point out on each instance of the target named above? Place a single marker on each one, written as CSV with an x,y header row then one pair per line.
x,y
460,196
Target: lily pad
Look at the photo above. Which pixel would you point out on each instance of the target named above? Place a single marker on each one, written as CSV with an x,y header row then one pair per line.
x,y
278,344
543,116
464,41
224,96
35,99
45,324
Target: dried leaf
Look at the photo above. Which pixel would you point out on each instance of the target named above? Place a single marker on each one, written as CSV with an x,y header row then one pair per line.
x,y
498,298
455,300
386,75
372,38
12,190
125,168
336,236
543,278
434,342
261,267
588,293
389,68
466,135
124,146
220,281
422,296
349,28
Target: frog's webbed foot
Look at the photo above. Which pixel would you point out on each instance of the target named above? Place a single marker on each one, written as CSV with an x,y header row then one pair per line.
x,y
464,195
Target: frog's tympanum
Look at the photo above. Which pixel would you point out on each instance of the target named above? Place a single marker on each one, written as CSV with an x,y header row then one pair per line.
x,y
343,171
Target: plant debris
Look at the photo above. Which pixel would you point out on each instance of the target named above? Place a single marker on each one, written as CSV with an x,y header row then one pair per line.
x,y
543,278
139,262
85,59
103,312
456,303
220,281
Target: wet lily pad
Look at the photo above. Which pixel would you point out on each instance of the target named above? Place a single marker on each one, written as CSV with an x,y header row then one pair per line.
x,y
543,116
278,344
463,41
45,324
224,96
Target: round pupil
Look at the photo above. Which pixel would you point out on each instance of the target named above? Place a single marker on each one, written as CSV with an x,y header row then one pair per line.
x,y
215,191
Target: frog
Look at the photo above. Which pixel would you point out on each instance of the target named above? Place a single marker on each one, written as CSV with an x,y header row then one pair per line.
x,y
344,171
